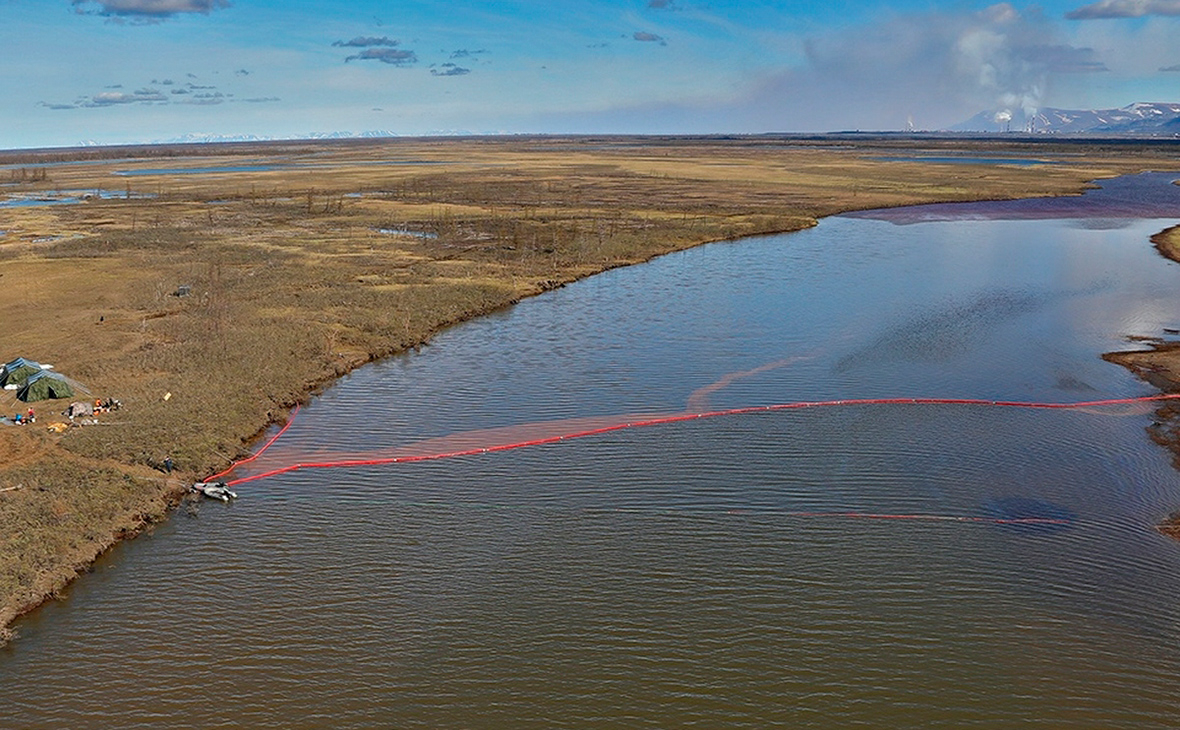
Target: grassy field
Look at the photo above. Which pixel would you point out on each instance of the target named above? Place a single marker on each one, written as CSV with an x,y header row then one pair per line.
x,y
318,257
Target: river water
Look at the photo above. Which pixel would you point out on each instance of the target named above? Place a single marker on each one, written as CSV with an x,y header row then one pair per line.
x,y
668,576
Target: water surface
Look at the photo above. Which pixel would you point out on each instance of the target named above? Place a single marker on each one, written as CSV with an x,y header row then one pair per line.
x,y
1146,195
207,170
264,167
963,160
68,197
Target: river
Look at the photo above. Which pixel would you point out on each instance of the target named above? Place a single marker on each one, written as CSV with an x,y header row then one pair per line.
x,y
710,573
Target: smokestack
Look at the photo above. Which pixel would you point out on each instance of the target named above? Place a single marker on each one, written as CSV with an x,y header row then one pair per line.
x,y
1004,117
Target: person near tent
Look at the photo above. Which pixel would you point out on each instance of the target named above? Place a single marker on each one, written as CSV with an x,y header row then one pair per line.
x,y
31,417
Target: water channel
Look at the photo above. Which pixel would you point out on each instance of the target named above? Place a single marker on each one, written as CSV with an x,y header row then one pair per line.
x,y
663,577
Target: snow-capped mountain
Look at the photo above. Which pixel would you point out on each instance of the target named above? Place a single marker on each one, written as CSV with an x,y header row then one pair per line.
x,y
371,134
196,138
1146,119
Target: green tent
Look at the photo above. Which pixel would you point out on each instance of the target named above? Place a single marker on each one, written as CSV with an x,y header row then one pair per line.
x,y
43,386
18,371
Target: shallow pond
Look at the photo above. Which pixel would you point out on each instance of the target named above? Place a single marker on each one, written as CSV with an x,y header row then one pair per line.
x,y
962,160
208,170
264,167
67,197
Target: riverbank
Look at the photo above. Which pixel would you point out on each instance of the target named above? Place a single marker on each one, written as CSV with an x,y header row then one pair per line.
x,y
1167,242
1160,366
211,302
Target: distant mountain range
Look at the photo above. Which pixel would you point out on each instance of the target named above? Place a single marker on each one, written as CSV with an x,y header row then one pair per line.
x,y
1141,119
222,138
1136,120
215,138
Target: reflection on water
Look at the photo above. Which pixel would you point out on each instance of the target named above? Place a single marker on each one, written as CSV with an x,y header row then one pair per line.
x,y
1147,195
208,170
960,160
1102,224
1021,509
662,577
263,167
945,331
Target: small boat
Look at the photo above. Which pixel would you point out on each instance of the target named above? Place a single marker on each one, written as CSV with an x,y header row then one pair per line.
x,y
215,490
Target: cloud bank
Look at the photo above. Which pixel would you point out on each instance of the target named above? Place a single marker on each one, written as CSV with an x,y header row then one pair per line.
x,y
938,68
1125,9
149,11
366,42
381,49
187,94
450,69
950,65
392,56
646,37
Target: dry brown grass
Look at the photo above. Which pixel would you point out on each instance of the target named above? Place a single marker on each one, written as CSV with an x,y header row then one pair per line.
x,y
1167,242
293,284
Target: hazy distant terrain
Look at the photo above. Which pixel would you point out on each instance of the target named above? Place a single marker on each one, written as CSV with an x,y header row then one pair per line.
x,y
1142,119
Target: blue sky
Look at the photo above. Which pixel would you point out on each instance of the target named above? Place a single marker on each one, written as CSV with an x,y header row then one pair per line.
x,y
120,71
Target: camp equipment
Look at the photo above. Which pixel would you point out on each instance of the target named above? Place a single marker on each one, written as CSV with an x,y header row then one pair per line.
x,y
18,371
44,385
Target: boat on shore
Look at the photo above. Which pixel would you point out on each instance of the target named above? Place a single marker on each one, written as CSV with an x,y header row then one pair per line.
x,y
215,490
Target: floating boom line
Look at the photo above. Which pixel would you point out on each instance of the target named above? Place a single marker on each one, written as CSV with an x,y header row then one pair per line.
x,y
675,418
256,454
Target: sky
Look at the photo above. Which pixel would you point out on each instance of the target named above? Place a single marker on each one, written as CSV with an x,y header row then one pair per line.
x,y
136,71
